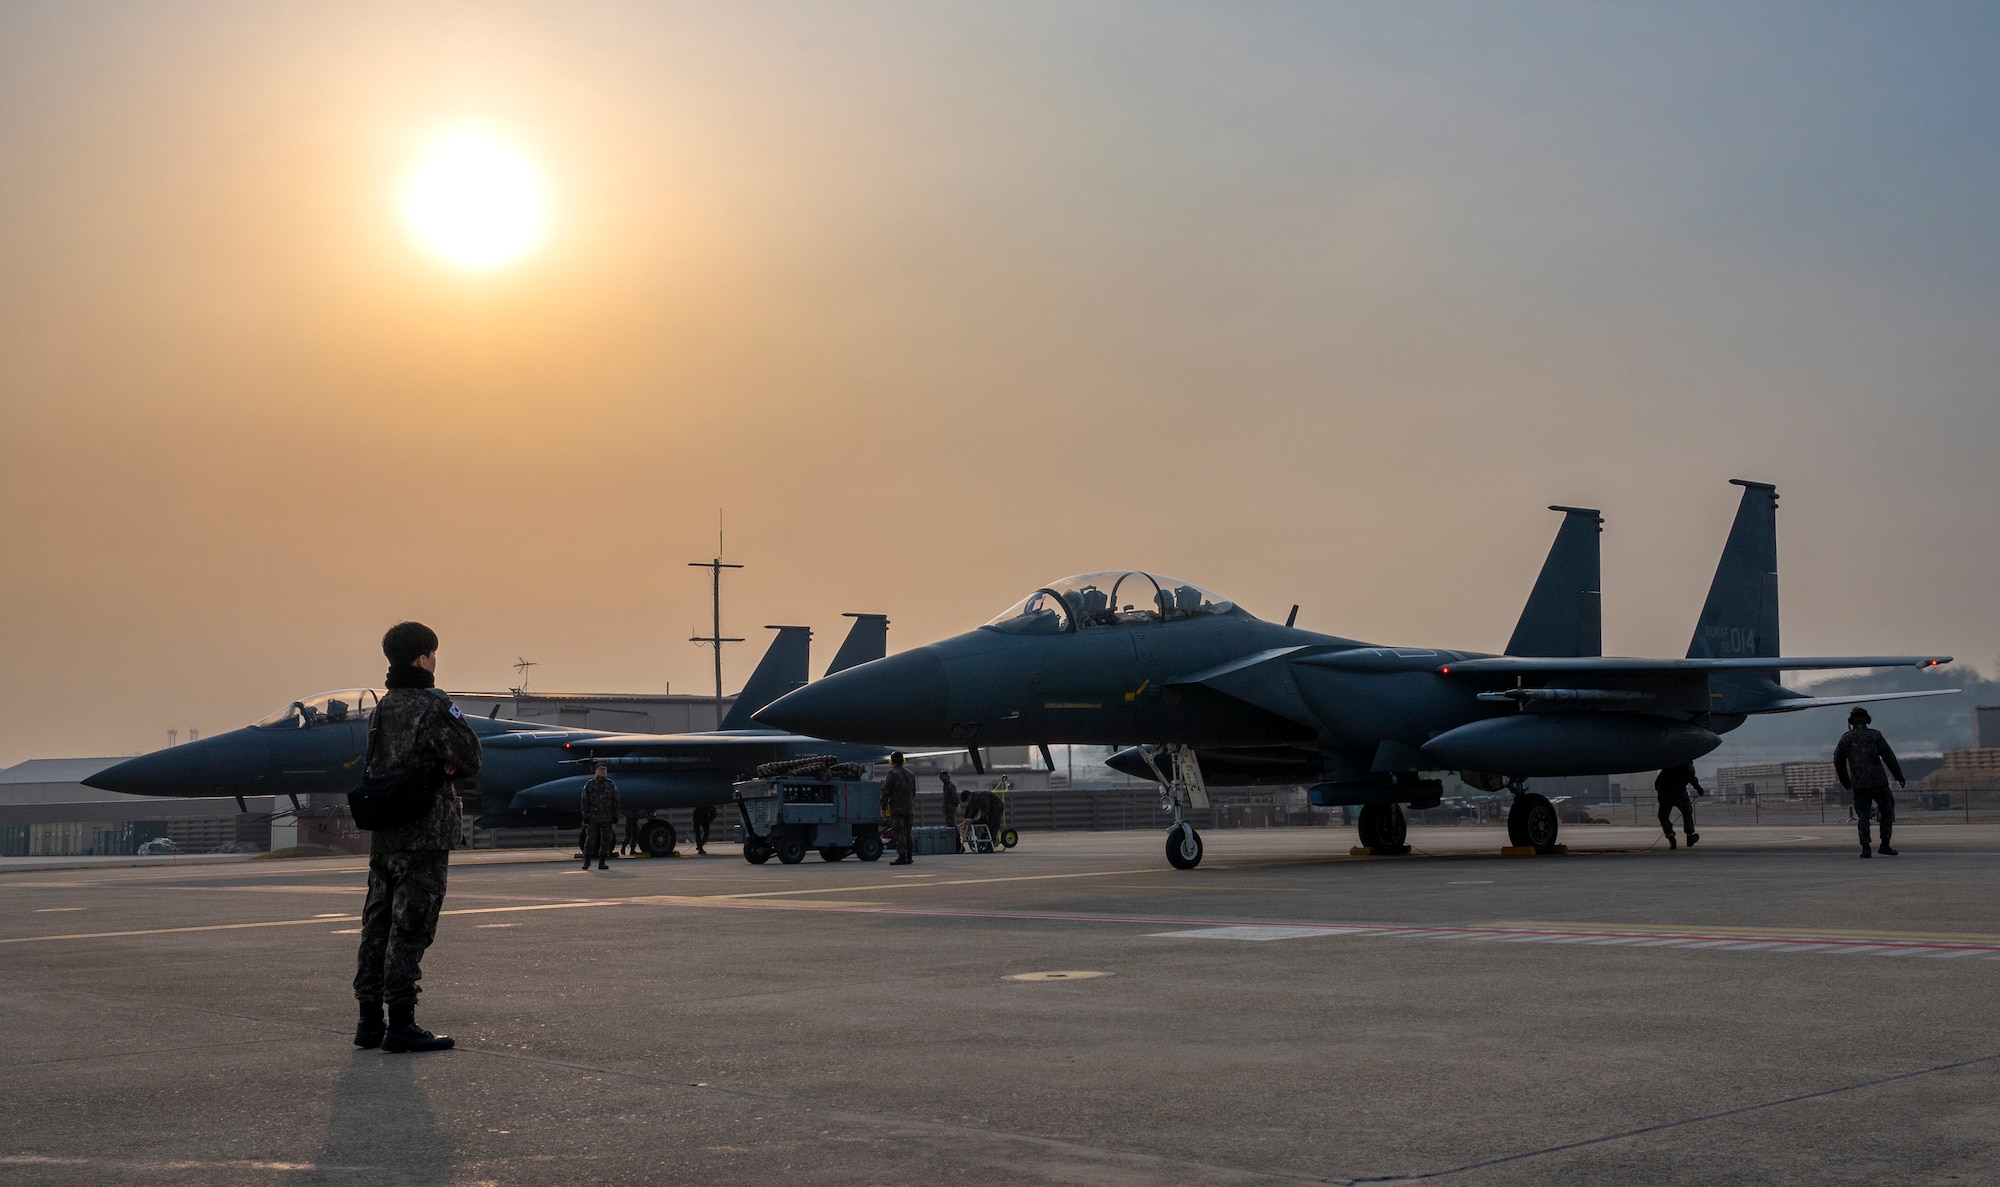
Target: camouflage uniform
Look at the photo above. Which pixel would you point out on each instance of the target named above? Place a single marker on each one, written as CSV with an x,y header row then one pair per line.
x,y
1671,788
1859,761
414,729
600,818
950,799
899,804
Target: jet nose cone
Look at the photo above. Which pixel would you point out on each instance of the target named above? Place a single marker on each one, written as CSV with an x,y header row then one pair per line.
x,y
159,773
225,764
903,698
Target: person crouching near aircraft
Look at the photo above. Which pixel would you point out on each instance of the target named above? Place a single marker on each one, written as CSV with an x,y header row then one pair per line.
x,y
1671,788
600,817
1858,762
899,804
415,728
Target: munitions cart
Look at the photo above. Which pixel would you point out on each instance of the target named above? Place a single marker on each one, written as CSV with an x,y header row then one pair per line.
x,y
785,815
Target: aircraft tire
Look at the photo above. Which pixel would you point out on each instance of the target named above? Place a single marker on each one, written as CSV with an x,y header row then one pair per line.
x,y
833,852
1369,826
1384,829
657,838
790,850
1009,838
1183,847
868,846
756,851
1517,822
1539,822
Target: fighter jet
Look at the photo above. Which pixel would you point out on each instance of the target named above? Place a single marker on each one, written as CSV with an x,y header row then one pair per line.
x,y
529,775
1218,695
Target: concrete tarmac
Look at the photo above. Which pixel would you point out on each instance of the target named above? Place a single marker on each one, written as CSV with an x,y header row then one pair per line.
x,y
1764,1008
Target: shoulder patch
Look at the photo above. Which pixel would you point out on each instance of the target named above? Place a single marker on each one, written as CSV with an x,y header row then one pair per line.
x,y
455,712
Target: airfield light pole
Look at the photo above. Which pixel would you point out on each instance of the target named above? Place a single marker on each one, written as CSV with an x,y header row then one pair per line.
x,y
714,637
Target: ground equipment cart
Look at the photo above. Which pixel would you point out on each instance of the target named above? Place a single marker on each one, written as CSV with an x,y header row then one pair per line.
x,y
785,815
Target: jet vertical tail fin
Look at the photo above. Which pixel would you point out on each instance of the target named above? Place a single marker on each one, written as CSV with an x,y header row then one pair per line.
x,y
867,639
1564,615
783,668
1740,618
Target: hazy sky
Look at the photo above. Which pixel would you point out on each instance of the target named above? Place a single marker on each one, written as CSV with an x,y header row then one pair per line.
x,y
1308,303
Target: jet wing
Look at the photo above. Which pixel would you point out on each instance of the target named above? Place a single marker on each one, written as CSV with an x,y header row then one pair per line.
x,y
1794,704
1263,680
1508,665
733,748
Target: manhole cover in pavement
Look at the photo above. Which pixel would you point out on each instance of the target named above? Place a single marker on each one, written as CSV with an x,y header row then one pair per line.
x,y
1060,975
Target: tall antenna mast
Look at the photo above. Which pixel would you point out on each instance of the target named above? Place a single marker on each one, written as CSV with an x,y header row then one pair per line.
x,y
715,638
521,666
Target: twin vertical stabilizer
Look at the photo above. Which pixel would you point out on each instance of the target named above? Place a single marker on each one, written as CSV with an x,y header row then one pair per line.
x,y
782,669
1564,614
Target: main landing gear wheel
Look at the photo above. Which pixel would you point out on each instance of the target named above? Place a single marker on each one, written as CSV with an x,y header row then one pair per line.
x,y
1183,847
790,850
868,847
756,850
832,852
1532,822
1384,829
657,838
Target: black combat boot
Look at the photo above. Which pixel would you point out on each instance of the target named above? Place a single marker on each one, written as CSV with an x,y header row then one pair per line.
x,y
600,865
368,1031
405,1035
1883,848
1692,838
1671,843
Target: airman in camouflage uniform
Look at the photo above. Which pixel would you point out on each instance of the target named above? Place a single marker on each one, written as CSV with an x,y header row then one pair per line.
x,y
899,804
1858,761
950,799
416,728
600,817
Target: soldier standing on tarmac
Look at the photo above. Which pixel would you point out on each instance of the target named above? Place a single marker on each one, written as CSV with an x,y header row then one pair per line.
x,y
704,816
899,804
1858,761
950,799
1671,788
415,729
600,817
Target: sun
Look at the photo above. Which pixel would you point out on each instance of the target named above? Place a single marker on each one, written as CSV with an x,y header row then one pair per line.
x,y
475,202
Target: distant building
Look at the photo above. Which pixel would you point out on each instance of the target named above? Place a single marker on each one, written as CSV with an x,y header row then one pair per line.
x,y
46,811
625,713
1777,780
1986,727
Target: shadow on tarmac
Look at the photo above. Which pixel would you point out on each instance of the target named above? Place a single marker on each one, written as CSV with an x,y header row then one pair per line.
x,y
379,1108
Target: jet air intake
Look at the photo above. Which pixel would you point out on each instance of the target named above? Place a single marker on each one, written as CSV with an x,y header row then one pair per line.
x,y
1550,744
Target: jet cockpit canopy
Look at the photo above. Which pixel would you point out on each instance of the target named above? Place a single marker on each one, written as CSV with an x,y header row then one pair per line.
x,y
328,708
1113,597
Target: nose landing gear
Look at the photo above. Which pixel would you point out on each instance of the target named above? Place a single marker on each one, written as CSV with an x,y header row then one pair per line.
x,y
1182,791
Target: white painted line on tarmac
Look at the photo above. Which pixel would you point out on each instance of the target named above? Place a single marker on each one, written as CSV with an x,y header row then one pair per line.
x,y
1246,932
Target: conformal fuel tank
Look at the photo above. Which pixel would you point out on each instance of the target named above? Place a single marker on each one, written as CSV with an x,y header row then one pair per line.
x,y
1528,744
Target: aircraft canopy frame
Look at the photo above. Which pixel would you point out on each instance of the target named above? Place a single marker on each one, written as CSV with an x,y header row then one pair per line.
x,y
1108,598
